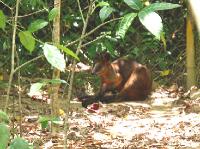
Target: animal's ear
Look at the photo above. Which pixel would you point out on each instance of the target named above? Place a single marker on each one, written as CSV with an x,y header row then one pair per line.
x,y
106,56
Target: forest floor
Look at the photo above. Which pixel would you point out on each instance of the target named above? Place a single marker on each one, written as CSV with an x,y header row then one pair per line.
x,y
168,119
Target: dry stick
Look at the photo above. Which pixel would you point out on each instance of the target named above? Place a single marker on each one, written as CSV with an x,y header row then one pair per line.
x,y
73,70
12,54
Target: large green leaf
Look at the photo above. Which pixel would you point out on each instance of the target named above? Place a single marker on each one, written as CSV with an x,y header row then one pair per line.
x,y
67,51
153,22
37,24
2,20
4,136
134,4
52,14
159,6
105,12
19,143
54,56
27,40
125,24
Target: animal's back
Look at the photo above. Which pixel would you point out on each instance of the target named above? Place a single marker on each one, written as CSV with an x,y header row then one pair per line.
x,y
136,79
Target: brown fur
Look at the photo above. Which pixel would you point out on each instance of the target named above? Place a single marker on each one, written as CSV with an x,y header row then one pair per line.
x,y
131,80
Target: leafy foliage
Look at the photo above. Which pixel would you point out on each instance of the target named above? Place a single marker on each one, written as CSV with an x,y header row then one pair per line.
x,y
54,56
67,51
134,4
4,136
4,117
19,143
105,12
2,20
125,24
52,14
27,40
37,24
153,22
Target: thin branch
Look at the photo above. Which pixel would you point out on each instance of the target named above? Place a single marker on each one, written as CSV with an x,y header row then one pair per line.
x,y
28,62
90,42
92,31
12,54
79,6
72,74
32,13
6,5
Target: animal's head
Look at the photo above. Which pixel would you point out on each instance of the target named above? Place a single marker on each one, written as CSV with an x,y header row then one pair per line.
x,y
101,63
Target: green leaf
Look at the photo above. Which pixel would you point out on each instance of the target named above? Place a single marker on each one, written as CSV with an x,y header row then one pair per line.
x,y
54,81
125,24
35,87
67,51
37,24
53,13
101,4
54,56
153,22
4,136
2,20
43,120
27,40
159,6
134,4
105,12
4,117
19,143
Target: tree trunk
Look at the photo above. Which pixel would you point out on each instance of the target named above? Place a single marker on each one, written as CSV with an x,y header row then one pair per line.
x,y
56,73
190,53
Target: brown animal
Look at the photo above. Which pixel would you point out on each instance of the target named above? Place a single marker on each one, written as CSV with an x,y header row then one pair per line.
x,y
131,80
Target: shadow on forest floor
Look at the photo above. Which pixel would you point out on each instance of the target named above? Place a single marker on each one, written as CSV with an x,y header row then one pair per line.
x,y
167,120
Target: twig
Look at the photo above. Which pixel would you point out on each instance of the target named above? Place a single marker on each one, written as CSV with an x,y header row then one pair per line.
x,y
6,5
79,6
98,38
28,62
32,13
73,71
13,54
92,31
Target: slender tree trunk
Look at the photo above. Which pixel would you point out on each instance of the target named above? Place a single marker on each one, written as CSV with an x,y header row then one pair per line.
x,y
190,53
56,73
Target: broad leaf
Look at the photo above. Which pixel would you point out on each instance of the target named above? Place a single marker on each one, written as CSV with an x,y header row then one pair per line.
x,y
52,14
101,4
27,40
37,24
159,6
153,22
4,117
125,24
19,143
54,56
134,4
105,12
2,20
36,87
4,136
67,51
